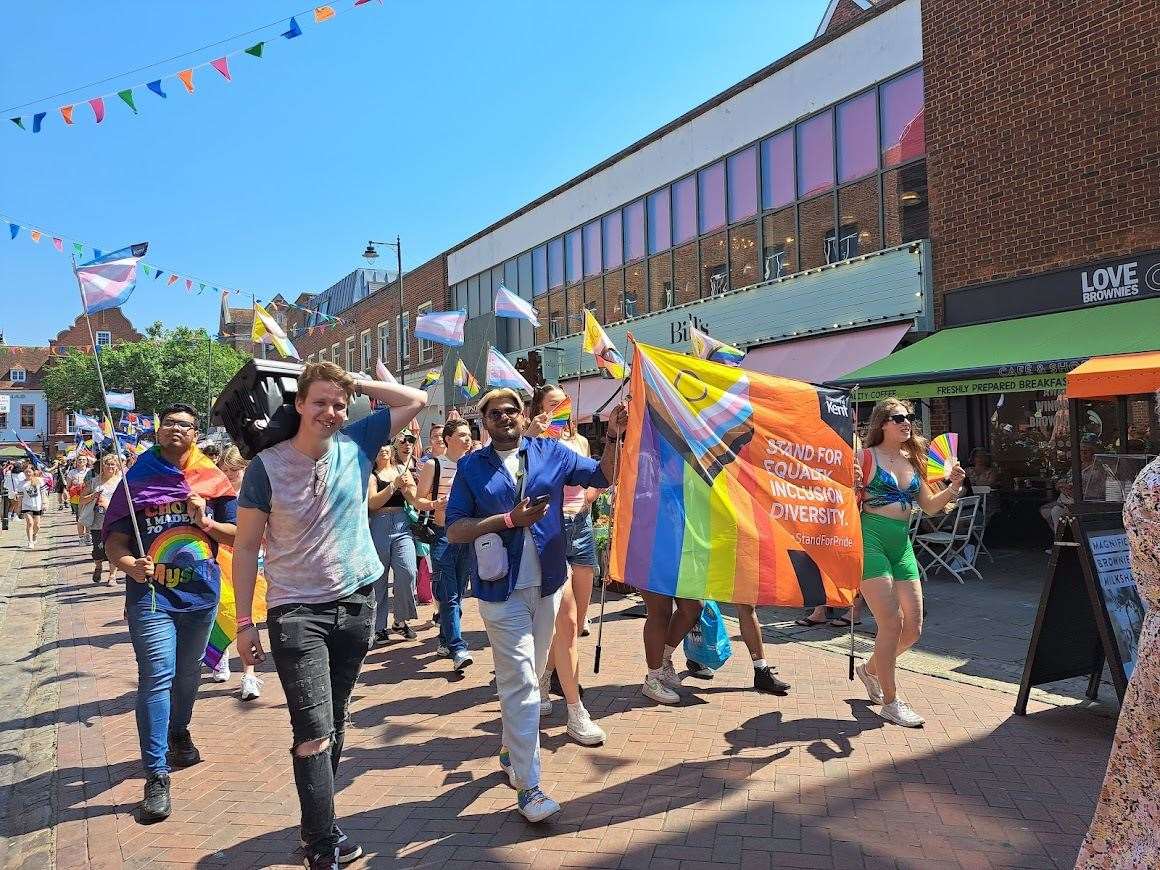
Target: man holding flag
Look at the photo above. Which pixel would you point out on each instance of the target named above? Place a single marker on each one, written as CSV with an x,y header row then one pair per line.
x,y
182,508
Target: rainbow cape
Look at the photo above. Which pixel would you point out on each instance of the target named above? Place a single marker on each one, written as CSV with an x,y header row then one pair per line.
x,y
225,626
735,486
155,481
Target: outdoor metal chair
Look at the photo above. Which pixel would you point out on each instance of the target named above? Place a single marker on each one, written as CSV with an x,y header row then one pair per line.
x,y
953,550
980,527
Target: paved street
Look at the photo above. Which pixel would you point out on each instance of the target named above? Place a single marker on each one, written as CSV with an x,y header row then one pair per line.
x,y
728,779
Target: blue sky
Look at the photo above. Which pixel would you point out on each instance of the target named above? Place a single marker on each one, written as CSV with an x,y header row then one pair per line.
x,y
426,120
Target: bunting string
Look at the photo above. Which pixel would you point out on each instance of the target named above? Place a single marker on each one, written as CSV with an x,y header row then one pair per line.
x,y
186,77
152,273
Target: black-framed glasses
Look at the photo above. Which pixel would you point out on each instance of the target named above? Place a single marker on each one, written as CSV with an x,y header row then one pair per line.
x,y
902,418
501,413
180,425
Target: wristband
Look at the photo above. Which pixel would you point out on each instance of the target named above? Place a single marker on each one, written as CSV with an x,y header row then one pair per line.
x,y
244,621
508,521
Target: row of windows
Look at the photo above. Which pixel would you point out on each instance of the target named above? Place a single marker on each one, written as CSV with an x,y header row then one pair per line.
x,y
874,131
27,418
374,345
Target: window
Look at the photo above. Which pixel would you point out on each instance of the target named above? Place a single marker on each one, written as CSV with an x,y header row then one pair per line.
x,y
613,240
857,135
634,231
540,271
426,348
711,198
555,263
70,422
484,293
404,325
816,218
635,297
905,200
593,262
741,175
334,357
714,272
3,420
815,154
384,342
780,238
743,255
17,375
858,206
28,416
902,122
660,279
350,354
473,308
367,352
556,326
660,229
104,338
777,173
842,246
572,256
684,210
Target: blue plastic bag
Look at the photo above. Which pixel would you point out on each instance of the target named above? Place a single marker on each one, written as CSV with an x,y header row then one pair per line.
x,y
708,643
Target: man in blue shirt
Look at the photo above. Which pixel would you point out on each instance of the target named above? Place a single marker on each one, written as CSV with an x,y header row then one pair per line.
x,y
507,500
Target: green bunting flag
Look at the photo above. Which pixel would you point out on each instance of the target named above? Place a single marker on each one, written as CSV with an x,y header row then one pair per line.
x,y
147,269
255,50
19,122
127,96
78,249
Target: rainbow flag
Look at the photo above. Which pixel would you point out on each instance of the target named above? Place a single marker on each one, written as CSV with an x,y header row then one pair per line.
x,y
109,279
225,626
735,486
558,419
703,345
441,327
465,381
596,342
155,481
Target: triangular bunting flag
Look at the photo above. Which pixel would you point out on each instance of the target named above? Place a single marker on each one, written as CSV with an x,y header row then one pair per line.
x,y
147,269
256,49
78,249
14,230
127,96
19,122
37,121
186,76
360,2
294,30
200,288
172,280
155,86
158,275
35,234
188,283
57,243
98,105
66,113
322,13
222,65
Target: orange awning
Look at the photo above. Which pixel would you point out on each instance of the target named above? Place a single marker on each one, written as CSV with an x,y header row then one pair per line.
x,y
1126,374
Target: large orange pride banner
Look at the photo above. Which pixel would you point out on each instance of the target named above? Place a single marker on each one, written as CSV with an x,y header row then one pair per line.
x,y
735,486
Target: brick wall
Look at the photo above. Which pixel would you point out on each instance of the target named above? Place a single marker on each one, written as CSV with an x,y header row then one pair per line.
x,y
1041,132
427,283
111,320
847,10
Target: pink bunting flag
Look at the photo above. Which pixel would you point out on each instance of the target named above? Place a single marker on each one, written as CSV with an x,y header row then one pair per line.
x,y
188,283
222,65
98,104
186,76
57,243
66,112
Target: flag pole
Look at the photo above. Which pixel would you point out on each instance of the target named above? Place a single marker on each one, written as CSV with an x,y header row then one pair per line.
x,y
109,412
854,441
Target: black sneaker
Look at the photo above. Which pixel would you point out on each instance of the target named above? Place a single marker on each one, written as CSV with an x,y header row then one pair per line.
x,y
554,687
314,861
382,636
347,849
698,670
408,632
765,681
155,807
182,752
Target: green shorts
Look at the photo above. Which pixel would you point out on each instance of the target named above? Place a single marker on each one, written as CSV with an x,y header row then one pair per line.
x,y
886,549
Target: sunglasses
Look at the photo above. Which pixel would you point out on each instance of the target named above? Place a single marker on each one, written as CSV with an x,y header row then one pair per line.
x,y
503,413
406,439
901,418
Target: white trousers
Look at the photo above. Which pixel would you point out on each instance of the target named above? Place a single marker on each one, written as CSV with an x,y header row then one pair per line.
x,y
520,632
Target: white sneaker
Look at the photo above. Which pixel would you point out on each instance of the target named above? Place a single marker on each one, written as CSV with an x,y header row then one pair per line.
x,y
899,713
873,687
586,628
443,651
462,659
505,764
221,674
535,805
251,687
658,691
670,677
545,694
582,729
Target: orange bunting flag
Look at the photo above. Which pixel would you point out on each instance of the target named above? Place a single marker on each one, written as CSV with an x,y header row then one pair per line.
x,y
172,280
66,113
186,76
322,13
222,65
35,234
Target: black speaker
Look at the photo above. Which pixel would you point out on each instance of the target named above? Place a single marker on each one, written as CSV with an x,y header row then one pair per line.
x,y
257,406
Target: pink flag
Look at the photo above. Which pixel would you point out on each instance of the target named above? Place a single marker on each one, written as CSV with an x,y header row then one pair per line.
x,y
57,243
98,104
222,65
188,283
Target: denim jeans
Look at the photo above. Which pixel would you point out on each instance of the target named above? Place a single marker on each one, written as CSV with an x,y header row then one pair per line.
x,y
452,567
168,647
318,650
391,532
520,633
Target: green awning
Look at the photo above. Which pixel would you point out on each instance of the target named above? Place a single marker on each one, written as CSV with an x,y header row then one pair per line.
x,y
1029,353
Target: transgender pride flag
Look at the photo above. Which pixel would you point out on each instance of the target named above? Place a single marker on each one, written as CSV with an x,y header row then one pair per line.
x,y
108,280
508,304
442,327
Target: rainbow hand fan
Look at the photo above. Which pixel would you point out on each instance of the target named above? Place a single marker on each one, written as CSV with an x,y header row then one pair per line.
x,y
558,421
941,455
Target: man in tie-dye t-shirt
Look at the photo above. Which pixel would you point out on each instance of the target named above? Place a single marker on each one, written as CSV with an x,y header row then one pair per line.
x,y
307,497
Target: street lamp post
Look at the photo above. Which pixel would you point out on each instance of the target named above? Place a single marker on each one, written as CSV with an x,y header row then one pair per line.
x,y
371,254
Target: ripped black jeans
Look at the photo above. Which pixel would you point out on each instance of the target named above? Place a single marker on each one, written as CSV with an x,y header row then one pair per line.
x,y
318,650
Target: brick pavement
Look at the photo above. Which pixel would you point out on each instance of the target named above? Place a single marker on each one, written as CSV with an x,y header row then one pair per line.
x,y
728,779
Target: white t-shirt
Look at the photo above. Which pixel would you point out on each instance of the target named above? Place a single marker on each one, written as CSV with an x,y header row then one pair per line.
x,y
32,494
529,574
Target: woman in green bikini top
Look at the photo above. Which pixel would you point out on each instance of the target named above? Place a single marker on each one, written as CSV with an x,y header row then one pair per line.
x,y
893,468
